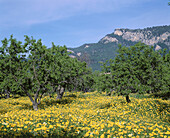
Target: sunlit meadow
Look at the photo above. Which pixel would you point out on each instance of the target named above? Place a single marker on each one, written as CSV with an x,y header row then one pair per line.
x,y
85,115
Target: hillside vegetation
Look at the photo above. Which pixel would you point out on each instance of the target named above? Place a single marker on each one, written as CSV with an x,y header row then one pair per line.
x,y
85,115
106,48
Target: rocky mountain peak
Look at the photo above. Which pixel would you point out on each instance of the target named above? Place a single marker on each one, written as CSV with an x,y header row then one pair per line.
x,y
150,36
118,32
106,48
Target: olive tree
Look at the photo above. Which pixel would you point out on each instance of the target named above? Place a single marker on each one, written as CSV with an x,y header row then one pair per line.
x,y
67,72
138,69
33,69
12,56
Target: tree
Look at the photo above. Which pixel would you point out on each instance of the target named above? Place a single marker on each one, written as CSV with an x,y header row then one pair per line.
x,y
86,81
103,82
44,70
138,69
11,62
66,71
25,75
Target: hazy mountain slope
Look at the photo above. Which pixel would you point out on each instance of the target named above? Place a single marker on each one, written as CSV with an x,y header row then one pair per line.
x,y
105,49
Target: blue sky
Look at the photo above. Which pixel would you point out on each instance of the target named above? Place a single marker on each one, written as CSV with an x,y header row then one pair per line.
x,y
75,22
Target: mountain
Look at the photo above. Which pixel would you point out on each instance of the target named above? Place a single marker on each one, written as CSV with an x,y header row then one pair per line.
x,y
106,48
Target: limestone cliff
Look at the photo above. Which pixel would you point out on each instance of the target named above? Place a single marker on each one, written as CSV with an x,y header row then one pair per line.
x,y
106,48
150,36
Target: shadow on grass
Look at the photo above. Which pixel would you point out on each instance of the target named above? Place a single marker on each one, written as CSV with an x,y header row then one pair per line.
x,y
71,95
164,110
164,96
141,96
163,106
123,102
103,106
13,96
81,95
3,111
61,134
45,104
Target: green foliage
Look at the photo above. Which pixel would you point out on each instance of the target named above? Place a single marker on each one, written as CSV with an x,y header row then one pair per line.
x,y
138,69
42,71
11,61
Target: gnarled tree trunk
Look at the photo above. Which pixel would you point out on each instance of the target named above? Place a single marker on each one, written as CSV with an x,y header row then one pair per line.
x,y
60,92
35,101
35,106
7,94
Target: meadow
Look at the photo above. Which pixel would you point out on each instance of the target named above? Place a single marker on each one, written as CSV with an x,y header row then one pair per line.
x,y
85,115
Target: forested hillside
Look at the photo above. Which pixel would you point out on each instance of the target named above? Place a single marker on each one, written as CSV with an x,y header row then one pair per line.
x,y
106,48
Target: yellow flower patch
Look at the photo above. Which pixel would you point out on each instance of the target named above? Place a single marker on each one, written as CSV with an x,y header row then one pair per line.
x,y
90,115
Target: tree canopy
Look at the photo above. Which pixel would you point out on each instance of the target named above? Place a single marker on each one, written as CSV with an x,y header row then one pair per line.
x,y
32,69
138,69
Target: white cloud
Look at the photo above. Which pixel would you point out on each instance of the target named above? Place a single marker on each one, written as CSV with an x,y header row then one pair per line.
x,y
29,12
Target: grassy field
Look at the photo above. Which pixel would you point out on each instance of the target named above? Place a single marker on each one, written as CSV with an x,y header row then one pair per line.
x,y
85,115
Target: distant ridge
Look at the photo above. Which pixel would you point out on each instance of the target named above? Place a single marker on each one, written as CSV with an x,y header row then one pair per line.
x,y
106,48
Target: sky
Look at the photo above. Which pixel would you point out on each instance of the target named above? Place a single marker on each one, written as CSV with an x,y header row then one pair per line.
x,y
76,22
